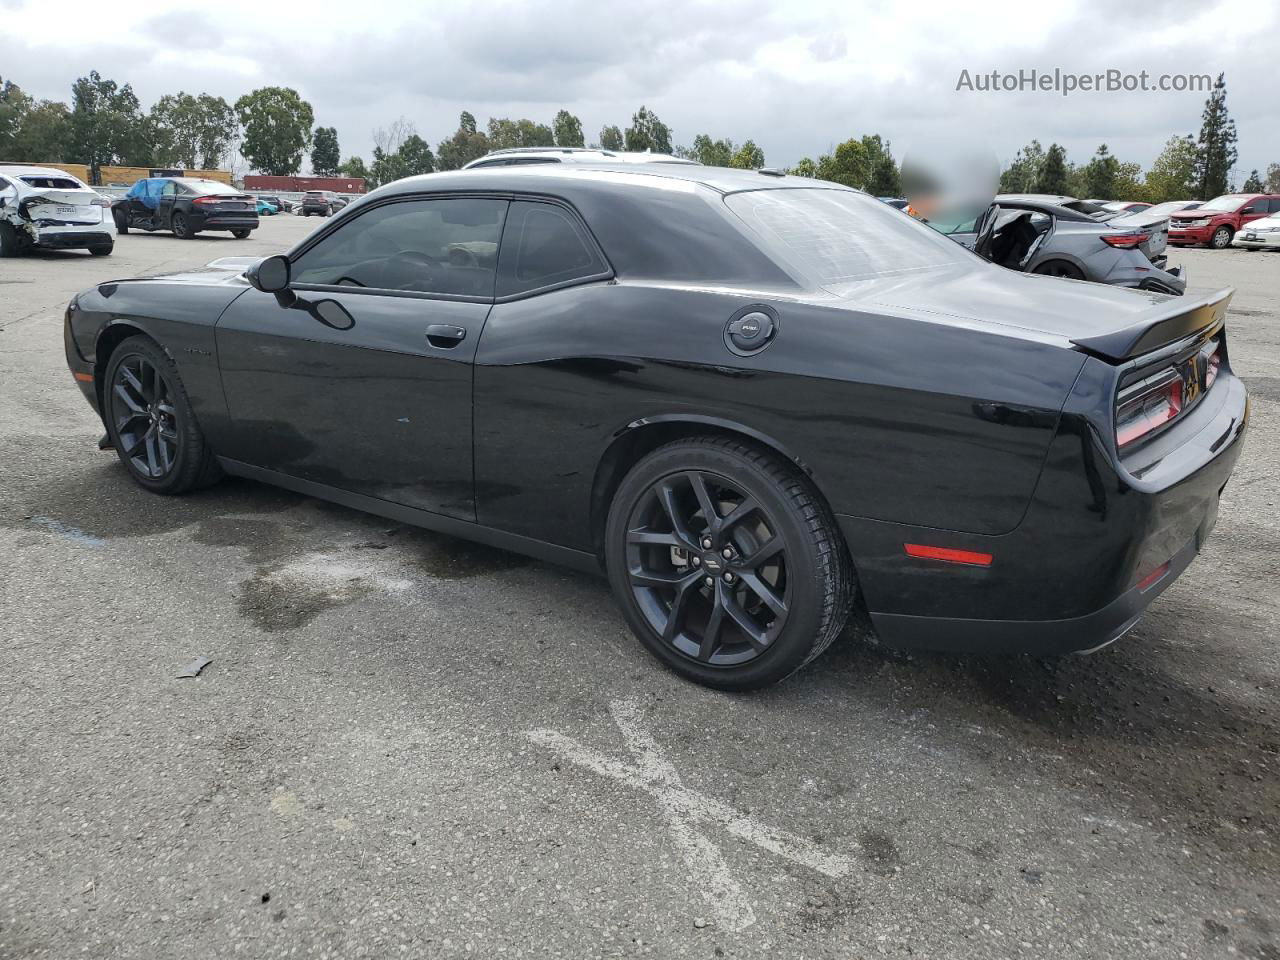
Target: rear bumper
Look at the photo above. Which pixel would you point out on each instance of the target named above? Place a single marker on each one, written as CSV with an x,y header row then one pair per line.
x,y
226,221
1095,548
74,239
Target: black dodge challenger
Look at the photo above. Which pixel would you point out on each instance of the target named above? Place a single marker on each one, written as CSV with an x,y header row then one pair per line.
x,y
753,400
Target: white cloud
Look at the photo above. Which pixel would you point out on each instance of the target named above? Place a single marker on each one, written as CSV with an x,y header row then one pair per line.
x,y
795,78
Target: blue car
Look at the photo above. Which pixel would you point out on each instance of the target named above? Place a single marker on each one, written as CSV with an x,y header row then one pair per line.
x,y
266,209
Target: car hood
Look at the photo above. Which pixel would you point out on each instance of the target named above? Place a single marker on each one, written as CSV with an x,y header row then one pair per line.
x,y
1104,319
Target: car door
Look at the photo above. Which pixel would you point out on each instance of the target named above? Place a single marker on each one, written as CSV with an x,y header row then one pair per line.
x,y
136,205
1253,210
360,376
165,206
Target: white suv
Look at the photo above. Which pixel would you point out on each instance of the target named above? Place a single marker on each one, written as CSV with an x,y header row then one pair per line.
x,y
521,155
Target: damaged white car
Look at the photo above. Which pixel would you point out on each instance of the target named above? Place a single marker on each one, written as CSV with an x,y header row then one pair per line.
x,y
41,207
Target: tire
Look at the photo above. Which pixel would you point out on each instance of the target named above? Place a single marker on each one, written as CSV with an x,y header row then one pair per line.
x,y
659,568
165,461
102,249
11,244
1059,268
1221,238
122,222
181,226
241,234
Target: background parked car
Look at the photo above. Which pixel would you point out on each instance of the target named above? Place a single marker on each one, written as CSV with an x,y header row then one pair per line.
x,y
1216,222
1259,234
1037,237
186,206
1172,206
320,202
265,207
281,204
41,207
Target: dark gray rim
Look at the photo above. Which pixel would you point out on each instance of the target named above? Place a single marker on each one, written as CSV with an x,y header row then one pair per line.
x,y
708,568
145,419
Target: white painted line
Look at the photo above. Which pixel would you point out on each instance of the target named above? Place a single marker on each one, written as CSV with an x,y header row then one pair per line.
x,y
682,808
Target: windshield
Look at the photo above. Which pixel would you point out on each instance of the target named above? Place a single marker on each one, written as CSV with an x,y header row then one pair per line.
x,y
1169,207
1228,202
838,236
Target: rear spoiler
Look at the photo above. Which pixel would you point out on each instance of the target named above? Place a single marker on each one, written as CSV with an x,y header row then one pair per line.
x,y
1165,323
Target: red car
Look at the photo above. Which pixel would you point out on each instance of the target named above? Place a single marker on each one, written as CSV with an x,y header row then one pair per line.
x,y
1216,222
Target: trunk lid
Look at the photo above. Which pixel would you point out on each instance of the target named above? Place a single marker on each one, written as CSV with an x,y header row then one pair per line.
x,y
1157,225
1111,322
50,206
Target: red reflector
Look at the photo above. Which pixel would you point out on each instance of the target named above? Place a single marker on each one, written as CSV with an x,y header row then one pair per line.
x,y
1151,578
971,557
83,377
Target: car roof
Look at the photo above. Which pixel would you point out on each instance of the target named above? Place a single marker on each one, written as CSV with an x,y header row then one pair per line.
x,y
540,177
578,155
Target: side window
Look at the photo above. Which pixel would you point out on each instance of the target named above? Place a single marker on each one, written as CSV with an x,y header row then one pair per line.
x,y
169,189
544,245
1275,204
444,246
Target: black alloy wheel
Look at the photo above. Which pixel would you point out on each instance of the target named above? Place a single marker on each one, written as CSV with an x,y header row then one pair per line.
x,y
240,234
708,568
150,422
144,416
727,564
181,227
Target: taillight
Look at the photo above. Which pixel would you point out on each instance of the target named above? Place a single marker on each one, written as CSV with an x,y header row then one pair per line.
x,y
1148,405
207,200
1126,241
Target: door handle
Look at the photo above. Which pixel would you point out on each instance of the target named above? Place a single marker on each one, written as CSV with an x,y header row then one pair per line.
x,y
445,335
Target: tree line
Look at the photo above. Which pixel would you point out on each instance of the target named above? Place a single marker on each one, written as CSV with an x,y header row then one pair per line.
x,y
272,130
1188,167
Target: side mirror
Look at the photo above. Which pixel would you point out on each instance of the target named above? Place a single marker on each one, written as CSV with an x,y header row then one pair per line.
x,y
271,275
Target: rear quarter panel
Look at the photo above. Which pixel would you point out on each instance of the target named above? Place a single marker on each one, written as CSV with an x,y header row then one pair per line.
x,y
895,418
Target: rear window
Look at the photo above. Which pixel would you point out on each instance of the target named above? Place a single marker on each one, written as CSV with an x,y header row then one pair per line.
x,y
52,183
209,187
838,236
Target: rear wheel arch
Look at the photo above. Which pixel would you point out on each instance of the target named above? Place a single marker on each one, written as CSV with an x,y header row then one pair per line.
x,y
641,438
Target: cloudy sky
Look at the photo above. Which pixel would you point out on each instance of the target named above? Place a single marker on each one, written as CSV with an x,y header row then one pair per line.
x,y
795,77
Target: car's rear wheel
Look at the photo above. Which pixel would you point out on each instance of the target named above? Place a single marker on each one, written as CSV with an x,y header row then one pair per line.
x,y
1221,238
150,421
728,565
102,249
181,227
240,234
1060,268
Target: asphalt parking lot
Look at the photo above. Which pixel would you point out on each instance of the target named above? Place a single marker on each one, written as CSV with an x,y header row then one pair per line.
x,y
406,745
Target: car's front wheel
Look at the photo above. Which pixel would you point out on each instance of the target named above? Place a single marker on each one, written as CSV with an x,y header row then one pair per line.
x,y
150,422
1221,238
728,565
121,220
